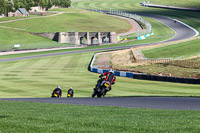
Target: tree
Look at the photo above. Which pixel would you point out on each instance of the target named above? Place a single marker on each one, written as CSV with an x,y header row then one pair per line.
x,y
56,2
10,5
43,3
36,2
30,3
17,4
49,4
3,6
65,3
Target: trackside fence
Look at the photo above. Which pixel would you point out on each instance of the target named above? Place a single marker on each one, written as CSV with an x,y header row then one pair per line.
x,y
138,57
180,63
32,46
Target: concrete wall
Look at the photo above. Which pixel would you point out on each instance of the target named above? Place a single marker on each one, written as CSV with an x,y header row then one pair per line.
x,y
81,38
49,35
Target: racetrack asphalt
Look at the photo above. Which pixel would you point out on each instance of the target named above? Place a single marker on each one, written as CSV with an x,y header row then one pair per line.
x,y
173,103
169,103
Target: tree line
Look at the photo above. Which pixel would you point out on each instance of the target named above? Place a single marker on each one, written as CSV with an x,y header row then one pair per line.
x,y
12,5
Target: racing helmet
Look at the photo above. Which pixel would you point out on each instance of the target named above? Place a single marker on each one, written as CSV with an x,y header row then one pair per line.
x,y
71,88
59,87
111,71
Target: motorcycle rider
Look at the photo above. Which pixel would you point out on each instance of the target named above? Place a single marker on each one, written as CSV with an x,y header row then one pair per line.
x,y
71,92
57,91
110,77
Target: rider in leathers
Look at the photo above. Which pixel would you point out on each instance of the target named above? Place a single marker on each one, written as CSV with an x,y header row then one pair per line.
x,y
71,92
57,91
110,77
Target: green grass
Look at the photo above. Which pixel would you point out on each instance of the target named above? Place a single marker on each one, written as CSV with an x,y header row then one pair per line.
x,y
181,50
10,18
47,118
86,21
127,4
89,21
190,18
13,36
38,77
70,10
180,3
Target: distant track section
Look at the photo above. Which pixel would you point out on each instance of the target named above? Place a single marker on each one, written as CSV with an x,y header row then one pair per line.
x,y
182,30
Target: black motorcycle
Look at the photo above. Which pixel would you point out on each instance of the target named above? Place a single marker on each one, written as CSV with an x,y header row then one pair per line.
x,y
56,94
70,93
101,88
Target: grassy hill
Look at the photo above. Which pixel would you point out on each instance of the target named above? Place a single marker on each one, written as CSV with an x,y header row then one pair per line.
x,y
69,21
191,18
88,21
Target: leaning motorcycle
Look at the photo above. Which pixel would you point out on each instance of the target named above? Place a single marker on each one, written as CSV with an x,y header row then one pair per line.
x,y
69,94
55,95
101,88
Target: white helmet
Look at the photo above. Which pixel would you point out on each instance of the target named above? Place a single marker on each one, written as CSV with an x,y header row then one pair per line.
x,y
71,88
111,71
59,87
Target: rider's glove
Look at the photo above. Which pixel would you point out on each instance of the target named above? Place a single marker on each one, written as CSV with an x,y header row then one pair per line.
x,y
101,76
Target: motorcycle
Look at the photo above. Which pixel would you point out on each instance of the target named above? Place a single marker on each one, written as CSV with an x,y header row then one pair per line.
x,y
55,95
70,93
101,88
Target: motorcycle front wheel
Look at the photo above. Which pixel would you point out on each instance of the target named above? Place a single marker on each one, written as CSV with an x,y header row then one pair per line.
x,y
94,93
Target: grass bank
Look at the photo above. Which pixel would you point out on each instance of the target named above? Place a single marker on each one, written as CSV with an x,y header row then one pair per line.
x,y
87,21
18,32
41,117
180,50
14,36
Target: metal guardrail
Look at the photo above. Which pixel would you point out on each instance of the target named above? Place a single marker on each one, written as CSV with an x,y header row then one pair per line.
x,y
33,46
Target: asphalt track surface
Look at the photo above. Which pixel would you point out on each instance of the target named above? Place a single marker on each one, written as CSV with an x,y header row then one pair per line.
x,y
173,103
169,103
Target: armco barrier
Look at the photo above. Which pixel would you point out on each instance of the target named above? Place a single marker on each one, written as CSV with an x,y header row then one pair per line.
x,y
144,76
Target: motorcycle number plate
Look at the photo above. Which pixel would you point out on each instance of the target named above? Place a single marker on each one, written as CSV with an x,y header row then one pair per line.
x,y
106,85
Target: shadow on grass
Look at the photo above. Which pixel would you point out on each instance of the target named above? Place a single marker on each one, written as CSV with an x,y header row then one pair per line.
x,y
4,116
